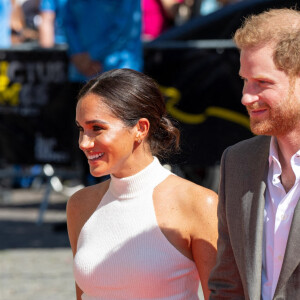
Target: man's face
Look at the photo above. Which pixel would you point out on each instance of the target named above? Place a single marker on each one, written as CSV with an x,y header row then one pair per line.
x,y
272,99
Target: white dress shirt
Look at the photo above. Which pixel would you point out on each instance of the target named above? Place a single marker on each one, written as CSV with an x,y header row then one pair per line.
x,y
278,215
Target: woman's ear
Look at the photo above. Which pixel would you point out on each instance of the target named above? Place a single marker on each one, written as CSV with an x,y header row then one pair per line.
x,y
142,128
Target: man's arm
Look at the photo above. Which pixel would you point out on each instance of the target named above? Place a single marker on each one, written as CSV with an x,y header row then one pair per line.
x,y
225,281
46,29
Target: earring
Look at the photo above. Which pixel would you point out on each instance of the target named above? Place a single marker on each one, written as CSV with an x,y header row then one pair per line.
x,y
138,138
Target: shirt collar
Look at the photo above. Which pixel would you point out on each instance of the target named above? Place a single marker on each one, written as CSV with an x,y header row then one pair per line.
x,y
273,152
274,163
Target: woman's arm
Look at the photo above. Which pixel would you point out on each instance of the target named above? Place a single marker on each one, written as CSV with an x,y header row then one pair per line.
x,y
80,207
204,234
73,215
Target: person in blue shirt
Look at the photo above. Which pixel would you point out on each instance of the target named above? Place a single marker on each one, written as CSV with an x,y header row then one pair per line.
x,y
103,35
5,31
51,29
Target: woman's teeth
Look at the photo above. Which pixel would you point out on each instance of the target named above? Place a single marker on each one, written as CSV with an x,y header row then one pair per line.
x,y
94,156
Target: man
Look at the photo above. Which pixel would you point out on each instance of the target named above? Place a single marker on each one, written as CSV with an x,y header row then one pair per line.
x,y
103,35
259,214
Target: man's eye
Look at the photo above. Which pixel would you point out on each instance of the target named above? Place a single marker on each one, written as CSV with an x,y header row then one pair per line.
x,y
263,82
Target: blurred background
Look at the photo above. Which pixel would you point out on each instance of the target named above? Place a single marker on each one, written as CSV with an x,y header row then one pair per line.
x,y
48,50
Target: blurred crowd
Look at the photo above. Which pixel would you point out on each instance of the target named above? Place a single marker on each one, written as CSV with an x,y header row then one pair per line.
x,y
99,35
44,21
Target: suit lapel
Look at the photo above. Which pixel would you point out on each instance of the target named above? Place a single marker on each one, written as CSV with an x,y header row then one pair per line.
x,y
292,254
253,203
253,215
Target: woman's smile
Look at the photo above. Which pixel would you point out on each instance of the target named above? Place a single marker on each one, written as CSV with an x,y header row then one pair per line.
x,y
94,158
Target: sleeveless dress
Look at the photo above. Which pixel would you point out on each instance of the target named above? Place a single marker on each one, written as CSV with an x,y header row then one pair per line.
x,y
121,251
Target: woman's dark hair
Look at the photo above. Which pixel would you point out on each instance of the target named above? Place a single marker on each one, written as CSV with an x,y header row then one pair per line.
x,y
132,95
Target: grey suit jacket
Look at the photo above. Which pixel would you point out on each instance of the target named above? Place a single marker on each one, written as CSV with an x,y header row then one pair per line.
x,y
237,274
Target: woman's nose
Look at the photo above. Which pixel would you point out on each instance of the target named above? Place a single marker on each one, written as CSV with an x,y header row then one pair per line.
x,y
86,142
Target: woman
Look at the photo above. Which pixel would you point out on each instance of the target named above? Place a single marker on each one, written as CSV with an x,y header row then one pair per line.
x,y
145,233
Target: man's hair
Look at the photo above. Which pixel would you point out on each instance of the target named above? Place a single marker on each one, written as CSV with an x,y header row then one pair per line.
x,y
281,29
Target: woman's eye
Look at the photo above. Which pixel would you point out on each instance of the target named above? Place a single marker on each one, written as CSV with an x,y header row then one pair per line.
x,y
97,128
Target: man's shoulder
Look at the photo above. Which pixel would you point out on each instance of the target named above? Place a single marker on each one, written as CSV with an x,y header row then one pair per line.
x,y
252,155
248,151
255,144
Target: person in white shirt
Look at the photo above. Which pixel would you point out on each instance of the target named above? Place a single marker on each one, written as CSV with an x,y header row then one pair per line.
x,y
258,212
145,233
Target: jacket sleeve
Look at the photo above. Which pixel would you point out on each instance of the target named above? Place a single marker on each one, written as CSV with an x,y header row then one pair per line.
x,y
225,281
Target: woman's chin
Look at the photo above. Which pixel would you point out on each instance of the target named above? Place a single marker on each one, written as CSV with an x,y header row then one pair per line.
x,y
97,173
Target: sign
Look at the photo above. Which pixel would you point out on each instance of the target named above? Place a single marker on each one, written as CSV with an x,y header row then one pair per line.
x,y
37,107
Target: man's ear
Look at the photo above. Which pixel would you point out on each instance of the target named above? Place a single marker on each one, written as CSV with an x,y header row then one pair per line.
x,y
142,129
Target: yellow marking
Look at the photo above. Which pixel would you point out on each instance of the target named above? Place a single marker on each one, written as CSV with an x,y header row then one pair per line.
x,y
11,95
8,94
173,97
4,79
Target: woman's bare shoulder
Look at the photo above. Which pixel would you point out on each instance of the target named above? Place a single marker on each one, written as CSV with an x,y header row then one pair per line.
x,y
198,205
189,192
87,198
81,206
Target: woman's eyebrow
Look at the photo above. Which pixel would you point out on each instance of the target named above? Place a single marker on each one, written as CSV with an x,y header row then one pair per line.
x,y
93,122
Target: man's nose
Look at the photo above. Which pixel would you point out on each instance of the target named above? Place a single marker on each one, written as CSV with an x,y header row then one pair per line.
x,y
250,95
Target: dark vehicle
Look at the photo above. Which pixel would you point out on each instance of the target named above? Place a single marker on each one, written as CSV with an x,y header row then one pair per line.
x,y
197,67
